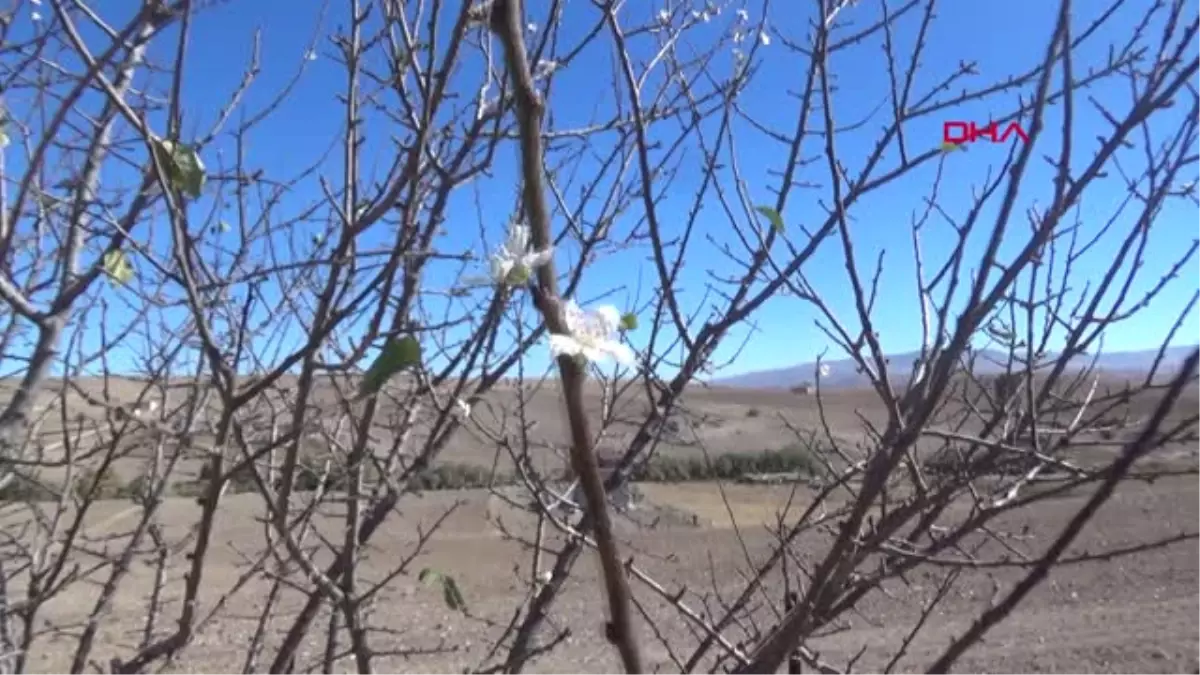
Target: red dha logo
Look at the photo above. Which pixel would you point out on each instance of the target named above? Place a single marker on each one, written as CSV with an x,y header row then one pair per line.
x,y
959,133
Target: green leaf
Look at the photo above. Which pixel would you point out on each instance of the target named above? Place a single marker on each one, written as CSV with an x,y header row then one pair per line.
x,y
117,267
184,169
947,146
773,216
629,321
395,356
451,594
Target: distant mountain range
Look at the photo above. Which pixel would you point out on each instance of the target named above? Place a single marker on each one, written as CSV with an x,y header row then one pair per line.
x,y
843,373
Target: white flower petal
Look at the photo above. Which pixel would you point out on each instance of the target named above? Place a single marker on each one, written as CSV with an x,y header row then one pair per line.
x,y
518,239
573,316
564,344
593,334
463,408
514,256
501,266
610,316
594,353
621,352
536,260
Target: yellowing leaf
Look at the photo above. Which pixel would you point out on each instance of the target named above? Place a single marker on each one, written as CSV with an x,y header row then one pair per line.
x,y
117,267
185,171
947,146
629,321
772,215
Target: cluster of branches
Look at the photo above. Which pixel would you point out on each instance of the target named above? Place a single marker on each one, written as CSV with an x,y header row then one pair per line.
x,y
242,306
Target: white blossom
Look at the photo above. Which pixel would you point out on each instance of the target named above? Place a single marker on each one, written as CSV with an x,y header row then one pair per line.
x,y
664,16
544,69
36,16
531,27
462,408
743,15
824,370
148,408
514,262
592,335
310,55
764,38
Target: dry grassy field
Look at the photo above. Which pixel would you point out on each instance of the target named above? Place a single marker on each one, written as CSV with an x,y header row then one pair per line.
x,y
1134,613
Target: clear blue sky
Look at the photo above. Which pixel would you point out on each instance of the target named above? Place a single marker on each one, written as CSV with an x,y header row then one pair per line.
x,y
1004,38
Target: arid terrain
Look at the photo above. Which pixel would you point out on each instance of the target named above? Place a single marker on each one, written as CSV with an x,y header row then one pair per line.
x,y
712,421
507,336
1133,613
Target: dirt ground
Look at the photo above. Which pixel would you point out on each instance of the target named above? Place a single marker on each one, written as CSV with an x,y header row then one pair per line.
x,y
709,420
1133,614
